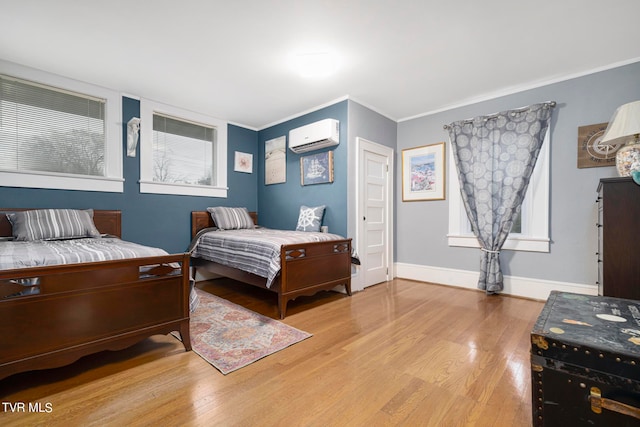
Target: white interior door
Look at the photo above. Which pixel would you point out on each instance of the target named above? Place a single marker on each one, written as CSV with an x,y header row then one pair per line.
x,y
375,212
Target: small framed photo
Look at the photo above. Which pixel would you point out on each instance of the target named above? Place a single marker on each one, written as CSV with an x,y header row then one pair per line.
x,y
243,162
423,174
317,168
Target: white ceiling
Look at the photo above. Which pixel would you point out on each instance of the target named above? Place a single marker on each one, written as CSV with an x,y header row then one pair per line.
x,y
231,59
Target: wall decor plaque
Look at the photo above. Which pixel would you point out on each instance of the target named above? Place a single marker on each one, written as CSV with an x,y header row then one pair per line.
x,y
591,152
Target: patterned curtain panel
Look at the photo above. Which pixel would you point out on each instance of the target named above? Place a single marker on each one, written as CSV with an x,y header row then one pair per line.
x,y
495,156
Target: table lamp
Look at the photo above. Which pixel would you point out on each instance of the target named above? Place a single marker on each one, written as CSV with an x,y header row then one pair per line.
x,y
624,127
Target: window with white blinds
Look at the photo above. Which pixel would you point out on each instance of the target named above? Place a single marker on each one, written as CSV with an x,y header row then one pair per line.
x,y
58,133
181,152
44,129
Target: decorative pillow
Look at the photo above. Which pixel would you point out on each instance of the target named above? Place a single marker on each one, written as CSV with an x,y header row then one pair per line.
x,y
310,219
52,224
231,218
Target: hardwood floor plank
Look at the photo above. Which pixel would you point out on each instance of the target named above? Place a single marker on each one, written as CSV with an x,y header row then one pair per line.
x,y
398,353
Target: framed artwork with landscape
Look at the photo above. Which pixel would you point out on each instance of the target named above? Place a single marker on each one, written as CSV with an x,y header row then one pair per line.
x,y
423,175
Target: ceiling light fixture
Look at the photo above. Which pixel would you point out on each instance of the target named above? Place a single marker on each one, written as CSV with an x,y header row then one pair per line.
x,y
315,64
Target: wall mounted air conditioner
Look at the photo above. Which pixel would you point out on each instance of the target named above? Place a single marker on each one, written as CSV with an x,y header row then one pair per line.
x,y
314,136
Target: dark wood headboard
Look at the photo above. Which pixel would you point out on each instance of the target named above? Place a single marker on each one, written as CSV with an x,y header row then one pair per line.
x,y
107,222
202,219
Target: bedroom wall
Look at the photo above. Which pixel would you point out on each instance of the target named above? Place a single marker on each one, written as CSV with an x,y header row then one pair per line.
x,y
150,219
279,204
422,250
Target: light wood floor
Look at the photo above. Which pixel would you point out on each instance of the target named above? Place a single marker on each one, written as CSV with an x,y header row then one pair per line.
x,y
398,353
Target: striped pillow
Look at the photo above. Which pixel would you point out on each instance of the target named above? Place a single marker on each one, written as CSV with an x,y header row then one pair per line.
x,y
52,224
231,218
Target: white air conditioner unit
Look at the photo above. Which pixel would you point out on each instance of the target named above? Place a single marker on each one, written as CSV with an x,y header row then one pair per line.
x,y
322,134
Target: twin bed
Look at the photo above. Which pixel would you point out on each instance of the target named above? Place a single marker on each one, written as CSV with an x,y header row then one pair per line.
x,y
56,308
289,263
65,294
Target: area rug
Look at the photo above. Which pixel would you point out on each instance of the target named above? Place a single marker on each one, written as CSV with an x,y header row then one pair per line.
x,y
230,337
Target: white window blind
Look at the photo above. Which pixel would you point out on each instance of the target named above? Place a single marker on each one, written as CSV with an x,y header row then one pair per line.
x,y
182,151
50,130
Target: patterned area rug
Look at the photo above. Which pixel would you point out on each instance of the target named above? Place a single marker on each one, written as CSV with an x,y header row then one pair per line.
x,y
230,337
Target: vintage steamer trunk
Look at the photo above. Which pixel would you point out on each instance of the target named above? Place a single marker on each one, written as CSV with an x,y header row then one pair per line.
x,y
585,362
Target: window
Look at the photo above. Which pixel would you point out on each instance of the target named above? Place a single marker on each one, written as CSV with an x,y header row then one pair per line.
x,y
181,152
56,133
533,224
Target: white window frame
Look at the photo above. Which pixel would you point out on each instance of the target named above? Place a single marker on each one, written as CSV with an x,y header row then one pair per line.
x,y
113,180
147,185
535,210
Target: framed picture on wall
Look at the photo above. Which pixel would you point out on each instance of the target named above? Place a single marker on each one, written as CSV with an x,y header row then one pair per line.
x,y
423,174
243,162
275,160
317,168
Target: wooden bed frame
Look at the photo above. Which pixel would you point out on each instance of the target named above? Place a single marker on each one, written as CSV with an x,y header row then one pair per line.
x,y
306,268
80,309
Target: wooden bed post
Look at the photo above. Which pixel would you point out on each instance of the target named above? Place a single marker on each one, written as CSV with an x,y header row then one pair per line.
x,y
282,305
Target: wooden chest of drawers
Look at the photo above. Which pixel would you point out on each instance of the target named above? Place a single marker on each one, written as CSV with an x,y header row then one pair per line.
x,y
619,238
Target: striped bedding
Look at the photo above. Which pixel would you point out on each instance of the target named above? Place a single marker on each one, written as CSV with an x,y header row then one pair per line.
x,y
255,251
20,254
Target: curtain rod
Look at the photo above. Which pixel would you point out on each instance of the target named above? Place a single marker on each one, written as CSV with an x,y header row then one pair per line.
x,y
551,104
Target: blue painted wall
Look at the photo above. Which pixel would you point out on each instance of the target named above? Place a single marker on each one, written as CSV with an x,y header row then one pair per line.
x,y
279,204
151,219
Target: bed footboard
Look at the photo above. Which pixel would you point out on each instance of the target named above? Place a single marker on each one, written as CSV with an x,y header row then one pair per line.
x,y
51,316
308,268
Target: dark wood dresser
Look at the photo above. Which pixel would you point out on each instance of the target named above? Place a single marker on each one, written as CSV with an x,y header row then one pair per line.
x,y
619,238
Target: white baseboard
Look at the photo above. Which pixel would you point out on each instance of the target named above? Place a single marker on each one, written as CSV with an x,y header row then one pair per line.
x,y
518,286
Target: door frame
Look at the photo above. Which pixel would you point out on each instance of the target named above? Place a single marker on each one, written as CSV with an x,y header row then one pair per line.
x,y
362,145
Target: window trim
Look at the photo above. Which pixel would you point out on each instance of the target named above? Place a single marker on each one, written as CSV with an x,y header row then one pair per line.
x,y
147,185
113,180
535,210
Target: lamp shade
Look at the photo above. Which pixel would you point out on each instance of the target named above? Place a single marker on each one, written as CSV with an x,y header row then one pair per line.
x,y
624,124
